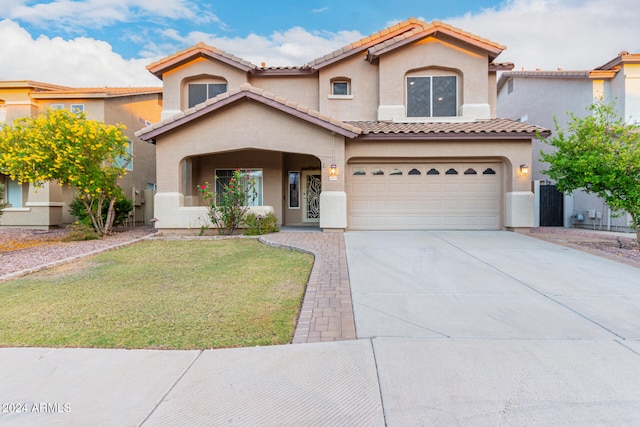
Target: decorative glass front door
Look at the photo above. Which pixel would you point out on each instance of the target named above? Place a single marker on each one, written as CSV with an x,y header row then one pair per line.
x,y
311,197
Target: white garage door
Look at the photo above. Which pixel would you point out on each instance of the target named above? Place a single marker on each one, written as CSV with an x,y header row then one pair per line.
x,y
444,196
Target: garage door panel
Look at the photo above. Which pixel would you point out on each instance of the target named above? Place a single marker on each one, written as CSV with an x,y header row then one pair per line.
x,y
424,201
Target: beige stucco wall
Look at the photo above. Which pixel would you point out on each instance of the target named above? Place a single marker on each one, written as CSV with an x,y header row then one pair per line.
x,y
431,56
301,89
233,134
175,81
362,103
17,103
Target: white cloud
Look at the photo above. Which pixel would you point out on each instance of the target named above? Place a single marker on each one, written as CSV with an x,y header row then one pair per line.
x,y
295,46
100,13
550,34
546,34
80,62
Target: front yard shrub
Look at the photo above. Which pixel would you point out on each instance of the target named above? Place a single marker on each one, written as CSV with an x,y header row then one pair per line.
x,y
259,224
80,232
121,207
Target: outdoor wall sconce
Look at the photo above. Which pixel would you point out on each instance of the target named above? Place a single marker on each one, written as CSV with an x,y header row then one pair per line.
x,y
333,172
524,169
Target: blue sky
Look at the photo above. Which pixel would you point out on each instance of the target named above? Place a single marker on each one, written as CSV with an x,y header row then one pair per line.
x,y
109,42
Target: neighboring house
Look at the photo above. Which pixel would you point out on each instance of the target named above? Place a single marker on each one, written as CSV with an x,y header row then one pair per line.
x,y
48,206
538,97
395,131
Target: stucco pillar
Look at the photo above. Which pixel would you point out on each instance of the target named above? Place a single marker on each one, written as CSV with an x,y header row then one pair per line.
x,y
333,208
519,209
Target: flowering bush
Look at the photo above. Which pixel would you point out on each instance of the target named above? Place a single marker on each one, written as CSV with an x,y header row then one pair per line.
x,y
229,203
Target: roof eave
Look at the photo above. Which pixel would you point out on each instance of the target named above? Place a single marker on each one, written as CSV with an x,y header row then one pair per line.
x,y
493,50
159,69
364,44
204,109
454,135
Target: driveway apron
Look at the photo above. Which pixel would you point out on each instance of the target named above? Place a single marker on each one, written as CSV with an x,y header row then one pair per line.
x,y
496,328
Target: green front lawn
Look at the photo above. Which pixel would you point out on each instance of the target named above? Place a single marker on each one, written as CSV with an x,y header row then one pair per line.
x,y
181,294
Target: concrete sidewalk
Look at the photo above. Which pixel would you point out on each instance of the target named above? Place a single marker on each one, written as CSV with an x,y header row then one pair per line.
x,y
453,328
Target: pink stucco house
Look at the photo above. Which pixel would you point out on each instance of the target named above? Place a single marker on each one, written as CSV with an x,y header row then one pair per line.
x,y
394,131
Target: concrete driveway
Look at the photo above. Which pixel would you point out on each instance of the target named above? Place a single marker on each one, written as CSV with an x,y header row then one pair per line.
x,y
496,328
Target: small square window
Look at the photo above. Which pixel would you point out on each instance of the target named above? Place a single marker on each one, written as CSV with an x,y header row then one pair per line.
x,y
77,108
340,88
56,106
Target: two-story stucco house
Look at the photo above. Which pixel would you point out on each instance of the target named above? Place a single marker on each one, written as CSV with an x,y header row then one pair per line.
x,y
395,131
538,96
48,206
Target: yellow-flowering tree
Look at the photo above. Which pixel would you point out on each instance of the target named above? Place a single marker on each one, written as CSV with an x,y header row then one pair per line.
x,y
72,150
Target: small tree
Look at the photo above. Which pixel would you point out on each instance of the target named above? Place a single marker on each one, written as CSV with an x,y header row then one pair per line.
x,y
66,147
2,203
228,206
601,155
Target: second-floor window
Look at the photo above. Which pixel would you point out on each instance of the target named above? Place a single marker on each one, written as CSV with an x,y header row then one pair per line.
x,y
340,87
432,96
200,92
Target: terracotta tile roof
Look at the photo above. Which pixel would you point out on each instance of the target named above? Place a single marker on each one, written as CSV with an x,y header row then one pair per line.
x,y
93,92
366,42
493,128
200,50
501,66
622,58
431,29
11,84
254,93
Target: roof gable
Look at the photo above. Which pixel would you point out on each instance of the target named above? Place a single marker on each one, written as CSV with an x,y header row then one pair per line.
x,y
200,50
365,43
434,29
246,91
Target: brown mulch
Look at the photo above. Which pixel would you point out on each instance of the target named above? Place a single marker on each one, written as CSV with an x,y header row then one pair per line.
x,y
620,247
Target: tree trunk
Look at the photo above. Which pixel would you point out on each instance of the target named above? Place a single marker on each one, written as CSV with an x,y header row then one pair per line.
x,y
636,227
111,215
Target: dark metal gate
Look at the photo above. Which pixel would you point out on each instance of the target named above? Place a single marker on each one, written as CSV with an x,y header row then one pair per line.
x,y
551,206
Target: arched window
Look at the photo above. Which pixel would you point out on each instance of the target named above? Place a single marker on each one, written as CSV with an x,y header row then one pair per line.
x,y
203,88
433,92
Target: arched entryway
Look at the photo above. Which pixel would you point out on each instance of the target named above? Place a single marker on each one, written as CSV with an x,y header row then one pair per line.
x,y
288,182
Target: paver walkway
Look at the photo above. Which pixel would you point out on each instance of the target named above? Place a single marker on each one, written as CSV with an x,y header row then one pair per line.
x,y
327,312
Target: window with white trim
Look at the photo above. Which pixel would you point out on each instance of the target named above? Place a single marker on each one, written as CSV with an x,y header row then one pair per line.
x,y
126,162
340,88
200,92
432,96
224,178
12,193
77,108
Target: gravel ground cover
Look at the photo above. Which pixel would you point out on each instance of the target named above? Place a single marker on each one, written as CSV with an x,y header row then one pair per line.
x,y
25,249
617,246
